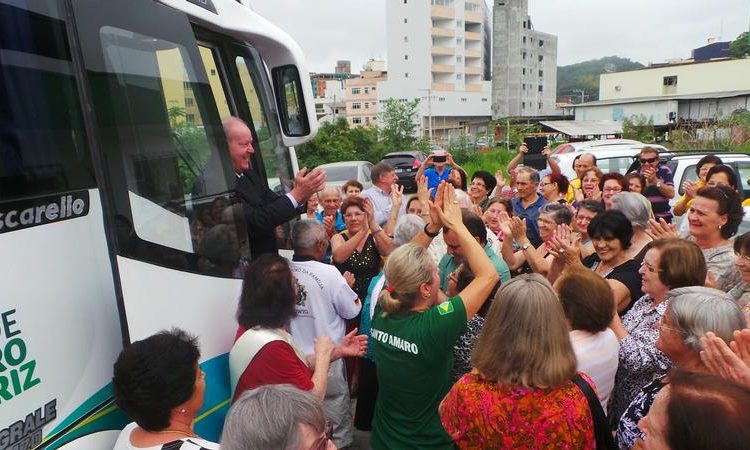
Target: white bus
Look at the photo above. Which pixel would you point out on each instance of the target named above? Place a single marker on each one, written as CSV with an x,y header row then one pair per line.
x,y
117,217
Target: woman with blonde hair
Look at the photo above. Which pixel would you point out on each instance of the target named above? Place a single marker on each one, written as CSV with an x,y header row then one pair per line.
x,y
415,327
521,393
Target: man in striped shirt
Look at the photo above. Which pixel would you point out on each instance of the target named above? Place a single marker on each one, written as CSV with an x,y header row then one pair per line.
x,y
659,187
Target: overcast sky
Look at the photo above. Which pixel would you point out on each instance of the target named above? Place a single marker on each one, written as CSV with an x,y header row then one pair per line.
x,y
644,31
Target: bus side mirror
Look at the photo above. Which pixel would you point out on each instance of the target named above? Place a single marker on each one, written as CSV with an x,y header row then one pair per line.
x,y
290,101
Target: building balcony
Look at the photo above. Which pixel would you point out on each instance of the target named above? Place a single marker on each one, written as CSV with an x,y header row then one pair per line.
x,y
472,70
443,32
471,36
473,17
443,87
476,2
443,68
441,12
443,50
473,87
469,53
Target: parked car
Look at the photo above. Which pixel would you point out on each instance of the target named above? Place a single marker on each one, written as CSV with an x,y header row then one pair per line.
x,y
406,165
570,147
339,173
682,164
617,159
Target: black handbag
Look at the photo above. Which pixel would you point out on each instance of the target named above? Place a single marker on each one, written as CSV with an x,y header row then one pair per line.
x,y
604,439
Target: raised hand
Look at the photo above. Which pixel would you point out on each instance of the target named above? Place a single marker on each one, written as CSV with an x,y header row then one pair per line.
x,y
523,149
328,223
578,194
661,229
518,228
690,188
741,345
423,193
723,361
397,196
307,183
504,221
500,178
448,209
349,278
370,215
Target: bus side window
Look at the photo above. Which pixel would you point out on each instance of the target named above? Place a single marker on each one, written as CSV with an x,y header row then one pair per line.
x,y
43,148
159,122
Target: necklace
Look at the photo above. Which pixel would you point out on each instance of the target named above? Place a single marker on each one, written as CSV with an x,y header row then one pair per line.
x,y
175,431
605,269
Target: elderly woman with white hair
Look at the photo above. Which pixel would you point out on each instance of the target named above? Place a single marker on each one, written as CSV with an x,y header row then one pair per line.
x,y
691,313
277,416
637,209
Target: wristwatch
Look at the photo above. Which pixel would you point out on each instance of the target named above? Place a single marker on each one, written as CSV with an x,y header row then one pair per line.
x,y
658,185
526,246
428,232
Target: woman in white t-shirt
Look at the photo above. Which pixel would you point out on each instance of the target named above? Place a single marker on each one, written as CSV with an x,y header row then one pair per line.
x,y
589,304
159,384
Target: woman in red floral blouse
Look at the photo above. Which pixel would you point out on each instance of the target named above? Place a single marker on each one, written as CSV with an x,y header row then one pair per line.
x,y
520,394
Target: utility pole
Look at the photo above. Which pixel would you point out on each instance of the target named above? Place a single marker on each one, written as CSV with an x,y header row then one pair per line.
x,y
582,92
429,110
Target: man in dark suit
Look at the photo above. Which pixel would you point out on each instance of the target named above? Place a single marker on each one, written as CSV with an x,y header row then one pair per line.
x,y
263,209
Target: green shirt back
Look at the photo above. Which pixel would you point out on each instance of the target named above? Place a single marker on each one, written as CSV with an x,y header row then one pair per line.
x,y
414,355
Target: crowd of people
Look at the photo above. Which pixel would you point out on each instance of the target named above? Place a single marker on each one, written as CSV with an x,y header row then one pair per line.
x,y
507,310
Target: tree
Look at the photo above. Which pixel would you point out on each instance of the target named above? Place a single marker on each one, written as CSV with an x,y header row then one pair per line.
x,y
740,47
399,126
638,127
331,144
174,113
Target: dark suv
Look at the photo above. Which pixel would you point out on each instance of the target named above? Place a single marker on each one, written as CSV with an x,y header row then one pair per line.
x,y
406,165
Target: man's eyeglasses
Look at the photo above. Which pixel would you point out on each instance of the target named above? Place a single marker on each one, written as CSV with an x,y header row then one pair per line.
x,y
322,442
649,160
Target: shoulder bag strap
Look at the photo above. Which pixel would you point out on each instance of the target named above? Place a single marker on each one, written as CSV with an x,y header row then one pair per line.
x,y
604,439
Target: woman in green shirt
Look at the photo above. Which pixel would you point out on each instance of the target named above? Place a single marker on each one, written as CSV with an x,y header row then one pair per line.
x,y
414,329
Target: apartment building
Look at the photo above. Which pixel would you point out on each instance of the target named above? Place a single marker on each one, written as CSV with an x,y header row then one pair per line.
x,y
524,67
439,53
361,94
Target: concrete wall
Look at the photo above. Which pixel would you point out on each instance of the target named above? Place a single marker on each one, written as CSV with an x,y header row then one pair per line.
x,y
686,110
698,110
695,78
658,110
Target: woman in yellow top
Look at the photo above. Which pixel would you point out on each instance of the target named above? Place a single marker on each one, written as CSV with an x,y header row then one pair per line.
x,y
691,187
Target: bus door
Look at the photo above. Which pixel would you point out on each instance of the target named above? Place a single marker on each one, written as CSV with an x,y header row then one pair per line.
x,y
238,80
179,239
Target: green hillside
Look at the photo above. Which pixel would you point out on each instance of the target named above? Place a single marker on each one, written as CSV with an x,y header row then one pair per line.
x,y
585,75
